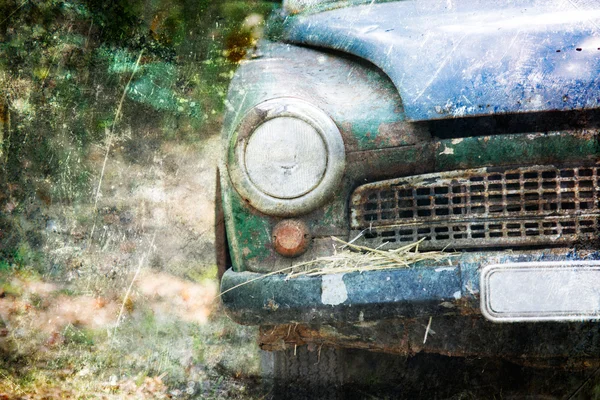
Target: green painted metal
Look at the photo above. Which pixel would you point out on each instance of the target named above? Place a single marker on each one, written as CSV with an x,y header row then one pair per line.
x,y
248,232
363,103
253,231
557,147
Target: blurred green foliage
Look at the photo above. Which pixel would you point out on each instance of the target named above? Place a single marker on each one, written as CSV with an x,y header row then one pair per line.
x,y
77,75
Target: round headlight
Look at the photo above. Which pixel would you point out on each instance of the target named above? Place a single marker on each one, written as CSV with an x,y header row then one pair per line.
x,y
287,156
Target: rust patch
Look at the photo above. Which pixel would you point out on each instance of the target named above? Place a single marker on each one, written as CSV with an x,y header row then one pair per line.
x,y
271,305
400,133
385,135
350,140
374,165
469,336
283,337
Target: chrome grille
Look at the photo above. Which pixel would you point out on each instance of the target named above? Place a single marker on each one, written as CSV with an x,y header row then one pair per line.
x,y
481,207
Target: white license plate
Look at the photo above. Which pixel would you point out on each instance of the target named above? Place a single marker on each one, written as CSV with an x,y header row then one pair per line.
x,y
541,291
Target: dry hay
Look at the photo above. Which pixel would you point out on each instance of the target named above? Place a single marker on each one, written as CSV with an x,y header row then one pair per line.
x,y
355,258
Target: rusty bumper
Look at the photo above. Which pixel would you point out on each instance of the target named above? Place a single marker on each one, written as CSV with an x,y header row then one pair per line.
x,y
425,290
352,297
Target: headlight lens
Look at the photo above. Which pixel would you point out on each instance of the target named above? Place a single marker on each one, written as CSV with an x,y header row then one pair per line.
x,y
286,157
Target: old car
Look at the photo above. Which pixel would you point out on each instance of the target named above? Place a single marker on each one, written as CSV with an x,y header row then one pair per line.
x,y
471,128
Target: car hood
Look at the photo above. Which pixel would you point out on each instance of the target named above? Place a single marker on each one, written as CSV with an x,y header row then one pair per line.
x,y
454,58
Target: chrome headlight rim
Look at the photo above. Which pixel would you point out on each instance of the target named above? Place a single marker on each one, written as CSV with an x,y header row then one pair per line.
x,y
323,125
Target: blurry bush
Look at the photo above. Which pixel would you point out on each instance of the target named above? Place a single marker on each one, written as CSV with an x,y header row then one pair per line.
x,y
81,74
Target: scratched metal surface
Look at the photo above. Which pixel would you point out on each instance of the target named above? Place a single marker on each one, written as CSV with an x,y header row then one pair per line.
x,y
453,59
426,289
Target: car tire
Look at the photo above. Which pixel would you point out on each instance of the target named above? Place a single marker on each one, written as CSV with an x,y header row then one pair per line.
x,y
303,373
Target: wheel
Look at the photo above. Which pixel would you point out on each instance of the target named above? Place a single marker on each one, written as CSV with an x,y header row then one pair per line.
x,y
303,373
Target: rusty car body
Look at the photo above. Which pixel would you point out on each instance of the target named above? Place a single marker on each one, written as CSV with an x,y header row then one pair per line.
x,y
471,125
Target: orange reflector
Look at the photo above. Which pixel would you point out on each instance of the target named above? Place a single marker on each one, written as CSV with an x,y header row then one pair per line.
x,y
290,238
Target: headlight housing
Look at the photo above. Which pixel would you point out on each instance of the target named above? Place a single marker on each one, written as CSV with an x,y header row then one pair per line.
x,y
286,157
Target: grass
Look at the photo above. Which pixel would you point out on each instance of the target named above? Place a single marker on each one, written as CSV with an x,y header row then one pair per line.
x,y
59,304
104,145
150,355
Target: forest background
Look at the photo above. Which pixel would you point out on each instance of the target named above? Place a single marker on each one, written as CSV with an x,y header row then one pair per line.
x,y
110,113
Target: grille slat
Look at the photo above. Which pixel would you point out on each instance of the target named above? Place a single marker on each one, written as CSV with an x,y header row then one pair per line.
x,y
481,208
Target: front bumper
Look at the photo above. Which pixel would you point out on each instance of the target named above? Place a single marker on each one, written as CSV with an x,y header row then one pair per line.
x,y
352,297
420,291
